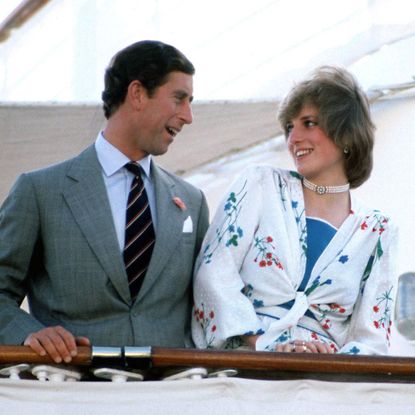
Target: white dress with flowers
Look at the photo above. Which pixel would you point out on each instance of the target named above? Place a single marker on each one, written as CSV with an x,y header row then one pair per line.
x,y
253,260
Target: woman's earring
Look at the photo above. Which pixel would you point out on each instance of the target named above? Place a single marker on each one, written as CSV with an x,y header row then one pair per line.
x,y
346,150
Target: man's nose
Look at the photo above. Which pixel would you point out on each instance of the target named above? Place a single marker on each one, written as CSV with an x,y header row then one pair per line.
x,y
186,113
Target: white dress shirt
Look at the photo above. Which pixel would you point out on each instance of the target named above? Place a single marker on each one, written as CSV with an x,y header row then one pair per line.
x,y
118,181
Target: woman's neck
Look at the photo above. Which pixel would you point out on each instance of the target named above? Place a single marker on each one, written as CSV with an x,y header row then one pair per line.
x,y
332,207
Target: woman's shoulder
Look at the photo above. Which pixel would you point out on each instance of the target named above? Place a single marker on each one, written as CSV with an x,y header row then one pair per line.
x,y
370,216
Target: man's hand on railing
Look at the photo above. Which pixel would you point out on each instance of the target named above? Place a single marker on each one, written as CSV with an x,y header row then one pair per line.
x,y
57,342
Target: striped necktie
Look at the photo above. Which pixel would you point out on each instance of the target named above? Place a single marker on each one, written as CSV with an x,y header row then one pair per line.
x,y
139,232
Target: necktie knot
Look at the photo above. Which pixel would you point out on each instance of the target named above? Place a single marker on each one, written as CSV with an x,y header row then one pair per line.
x,y
134,168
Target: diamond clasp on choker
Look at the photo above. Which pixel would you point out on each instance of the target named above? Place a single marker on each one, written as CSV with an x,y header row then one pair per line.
x,y
322,190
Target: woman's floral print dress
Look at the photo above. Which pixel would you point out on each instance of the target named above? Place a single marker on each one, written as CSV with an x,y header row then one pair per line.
x,y
252,264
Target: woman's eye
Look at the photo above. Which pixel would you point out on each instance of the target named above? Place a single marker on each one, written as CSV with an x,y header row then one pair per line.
x,y
310,123
288,127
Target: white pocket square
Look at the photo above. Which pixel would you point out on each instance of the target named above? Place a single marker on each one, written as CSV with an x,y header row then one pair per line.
x,y
188,225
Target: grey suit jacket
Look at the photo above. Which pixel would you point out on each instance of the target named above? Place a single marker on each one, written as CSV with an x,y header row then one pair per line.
x,y
58,246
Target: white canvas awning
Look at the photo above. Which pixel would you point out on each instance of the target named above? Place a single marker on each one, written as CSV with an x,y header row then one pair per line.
x,y
36,135
206,397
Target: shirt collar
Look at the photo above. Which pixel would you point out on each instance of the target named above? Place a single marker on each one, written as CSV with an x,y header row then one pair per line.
x,y
112,159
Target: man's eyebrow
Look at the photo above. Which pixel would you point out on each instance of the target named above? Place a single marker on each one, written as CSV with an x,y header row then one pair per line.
x,y
179,93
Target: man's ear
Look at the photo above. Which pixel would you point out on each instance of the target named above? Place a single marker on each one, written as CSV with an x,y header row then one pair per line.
x,y
136,94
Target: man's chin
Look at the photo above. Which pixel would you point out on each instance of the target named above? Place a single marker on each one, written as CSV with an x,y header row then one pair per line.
x,y
159,151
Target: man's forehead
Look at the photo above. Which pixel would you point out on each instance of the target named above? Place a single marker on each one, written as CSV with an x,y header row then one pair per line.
x,y
180,77
180,82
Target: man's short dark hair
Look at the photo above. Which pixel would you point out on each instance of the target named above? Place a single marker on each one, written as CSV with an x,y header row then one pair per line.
x,y
149,62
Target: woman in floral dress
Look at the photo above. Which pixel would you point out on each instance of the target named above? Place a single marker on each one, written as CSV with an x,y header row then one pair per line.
x,y
292,262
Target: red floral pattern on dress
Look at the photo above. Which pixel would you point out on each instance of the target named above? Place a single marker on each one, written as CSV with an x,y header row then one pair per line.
x,y
265,257
381,313
317,338
206,321
325,310
380,225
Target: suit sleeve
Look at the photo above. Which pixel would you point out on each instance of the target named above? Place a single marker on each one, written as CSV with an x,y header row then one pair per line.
x,y
19,237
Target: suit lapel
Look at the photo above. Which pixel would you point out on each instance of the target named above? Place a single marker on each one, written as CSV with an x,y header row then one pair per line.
x,y
170,220
87,198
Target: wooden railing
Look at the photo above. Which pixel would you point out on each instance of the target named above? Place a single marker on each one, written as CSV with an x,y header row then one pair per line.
x,y
382,368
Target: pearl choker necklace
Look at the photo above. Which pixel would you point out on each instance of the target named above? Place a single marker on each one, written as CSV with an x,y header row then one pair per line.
x,y
321,190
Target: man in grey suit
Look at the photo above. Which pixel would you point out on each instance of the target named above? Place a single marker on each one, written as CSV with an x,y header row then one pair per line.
x,y
62,228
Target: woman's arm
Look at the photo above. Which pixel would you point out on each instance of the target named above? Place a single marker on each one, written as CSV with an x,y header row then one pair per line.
x,y
370,325
221,309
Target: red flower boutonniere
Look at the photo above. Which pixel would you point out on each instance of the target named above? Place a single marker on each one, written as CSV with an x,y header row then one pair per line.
x,y
179,203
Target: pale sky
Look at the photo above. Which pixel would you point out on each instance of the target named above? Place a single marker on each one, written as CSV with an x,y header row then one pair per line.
x,y
242,49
